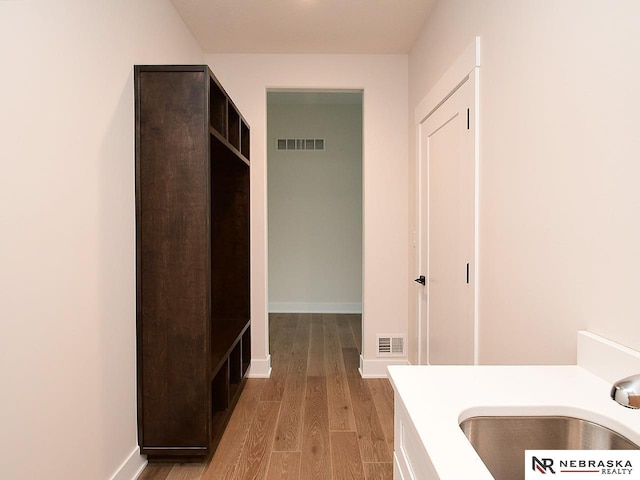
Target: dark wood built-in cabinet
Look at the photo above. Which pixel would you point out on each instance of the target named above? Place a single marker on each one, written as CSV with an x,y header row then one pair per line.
x,y
192,253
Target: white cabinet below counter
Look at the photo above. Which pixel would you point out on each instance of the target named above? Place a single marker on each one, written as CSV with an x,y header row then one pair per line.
x,y
432,401
410,460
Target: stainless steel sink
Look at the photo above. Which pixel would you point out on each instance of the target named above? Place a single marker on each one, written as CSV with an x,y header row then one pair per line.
x,y
501,441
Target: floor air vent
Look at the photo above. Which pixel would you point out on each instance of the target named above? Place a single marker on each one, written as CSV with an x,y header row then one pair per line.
x,y
391,345
300,144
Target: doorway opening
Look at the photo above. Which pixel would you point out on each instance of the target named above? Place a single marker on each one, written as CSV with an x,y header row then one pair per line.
x,y
314,211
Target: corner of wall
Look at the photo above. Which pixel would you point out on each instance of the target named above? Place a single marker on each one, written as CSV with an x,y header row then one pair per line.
x,y
132,467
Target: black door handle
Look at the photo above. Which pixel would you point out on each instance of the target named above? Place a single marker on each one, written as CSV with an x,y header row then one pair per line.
x,y
421,280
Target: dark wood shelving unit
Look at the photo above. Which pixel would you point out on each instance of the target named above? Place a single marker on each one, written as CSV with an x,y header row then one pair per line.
x,y
192,258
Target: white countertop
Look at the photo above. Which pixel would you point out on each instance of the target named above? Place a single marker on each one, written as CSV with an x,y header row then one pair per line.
x,y
438,398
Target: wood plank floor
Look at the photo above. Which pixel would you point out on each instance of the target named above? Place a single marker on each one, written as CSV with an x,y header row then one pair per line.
x,y
315,418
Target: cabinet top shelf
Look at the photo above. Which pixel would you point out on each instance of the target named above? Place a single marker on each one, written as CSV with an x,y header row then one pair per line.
x,y
190,68
172,68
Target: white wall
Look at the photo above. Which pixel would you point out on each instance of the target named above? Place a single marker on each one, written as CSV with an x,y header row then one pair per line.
x,y
67,251
385,223
559,169
315,204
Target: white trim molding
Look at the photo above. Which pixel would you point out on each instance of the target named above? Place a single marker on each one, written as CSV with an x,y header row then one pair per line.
x,y
260,367
308,307
132,467
377,367
450,81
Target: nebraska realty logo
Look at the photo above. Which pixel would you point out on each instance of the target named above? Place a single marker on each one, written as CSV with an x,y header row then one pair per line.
x,y
585,464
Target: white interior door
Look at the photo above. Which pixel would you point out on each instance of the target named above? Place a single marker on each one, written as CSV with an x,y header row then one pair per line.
x,y
447,230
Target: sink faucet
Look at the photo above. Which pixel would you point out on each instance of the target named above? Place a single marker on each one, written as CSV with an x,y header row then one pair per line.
x,y
627,391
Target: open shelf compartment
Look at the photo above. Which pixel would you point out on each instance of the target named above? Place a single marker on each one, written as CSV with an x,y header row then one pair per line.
x,y
217,108
234,127
244,139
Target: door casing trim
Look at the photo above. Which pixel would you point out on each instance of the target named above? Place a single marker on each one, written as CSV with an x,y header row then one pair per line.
x,y
465,68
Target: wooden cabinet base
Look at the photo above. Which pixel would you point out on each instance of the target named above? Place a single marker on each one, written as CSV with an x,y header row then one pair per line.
x,y
186,455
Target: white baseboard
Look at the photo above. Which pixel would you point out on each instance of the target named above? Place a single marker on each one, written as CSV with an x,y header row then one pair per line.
x,y
132,467
377,367
260,367
321,307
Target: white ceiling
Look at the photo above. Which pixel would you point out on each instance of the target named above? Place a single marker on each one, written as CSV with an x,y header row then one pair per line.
x,y
305,26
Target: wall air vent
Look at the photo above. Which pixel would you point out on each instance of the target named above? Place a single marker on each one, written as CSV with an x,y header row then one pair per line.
x,y
300,144
391,345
